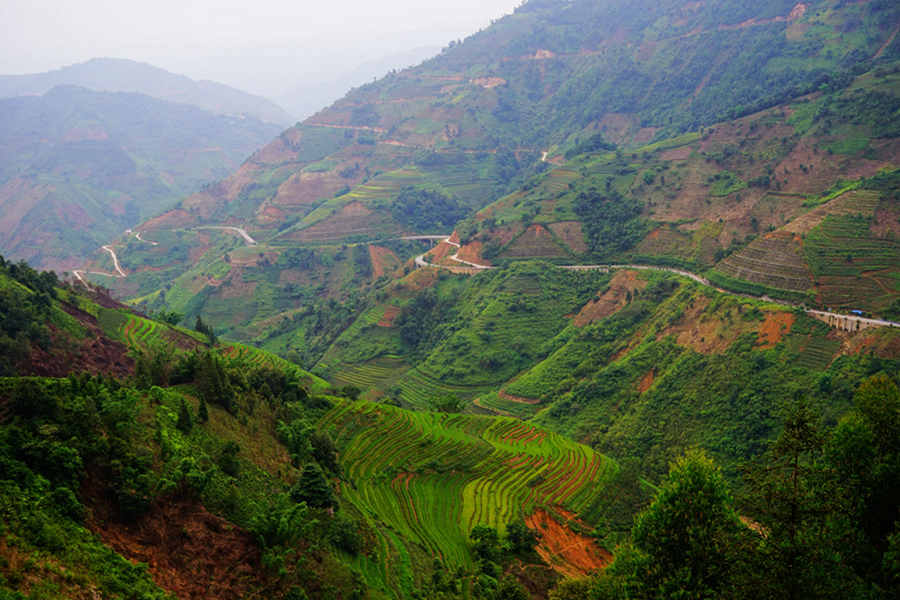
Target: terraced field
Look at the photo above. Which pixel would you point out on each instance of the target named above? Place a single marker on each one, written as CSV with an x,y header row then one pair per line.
x,y
464,180
535,242
138,332
419,388
854,269
372,373
818,353
505,407
432,477
559,179
352,219
247,356
665,241
775,261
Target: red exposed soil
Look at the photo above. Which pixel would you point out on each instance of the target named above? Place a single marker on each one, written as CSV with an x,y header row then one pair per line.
x,y
390,313
708,336
774,328
382,260
441,252
420,279
269,215
568,552
96,353
472,253
883,343
512,398
646,382
614,298
190,553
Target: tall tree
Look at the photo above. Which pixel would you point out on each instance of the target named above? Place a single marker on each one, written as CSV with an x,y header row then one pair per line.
x,y
313,488
864,462
801,523
688,538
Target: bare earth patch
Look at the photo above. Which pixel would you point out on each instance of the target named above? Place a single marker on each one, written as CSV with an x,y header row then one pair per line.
x,y
682,153
774,328
614,299
387,319
383,260
519,399
567,552
472,253
190,553
646,382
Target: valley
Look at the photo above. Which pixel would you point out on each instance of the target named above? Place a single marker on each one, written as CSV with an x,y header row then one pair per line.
x,y
601,302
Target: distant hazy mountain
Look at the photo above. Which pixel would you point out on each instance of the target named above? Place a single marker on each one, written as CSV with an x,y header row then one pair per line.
x,y
120,75
78,166
305,100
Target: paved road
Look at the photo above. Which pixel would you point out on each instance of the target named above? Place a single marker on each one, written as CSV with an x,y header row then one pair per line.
x,y
115,260
138,236
250,241
867,321
421,262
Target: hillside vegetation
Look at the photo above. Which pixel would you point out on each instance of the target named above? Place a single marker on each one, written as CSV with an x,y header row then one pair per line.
x,y
192,459
562,278
78,167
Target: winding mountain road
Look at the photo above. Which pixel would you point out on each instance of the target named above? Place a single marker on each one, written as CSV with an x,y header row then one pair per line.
x,y
115,260
820,314
250,241
120,273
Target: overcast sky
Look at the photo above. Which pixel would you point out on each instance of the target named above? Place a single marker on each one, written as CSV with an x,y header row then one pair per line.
x,y
199,38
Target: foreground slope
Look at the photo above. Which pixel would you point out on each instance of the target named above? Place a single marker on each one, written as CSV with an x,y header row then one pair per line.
x,y
181,472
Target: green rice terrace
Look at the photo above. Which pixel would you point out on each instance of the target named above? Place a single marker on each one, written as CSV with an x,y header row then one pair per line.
x,y
431,477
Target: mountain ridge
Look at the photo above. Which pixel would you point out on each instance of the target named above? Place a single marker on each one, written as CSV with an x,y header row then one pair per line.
x,y
79,166
123,75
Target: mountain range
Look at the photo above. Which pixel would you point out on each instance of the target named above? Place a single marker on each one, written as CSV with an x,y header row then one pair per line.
x,y
78,166
601,302
122,75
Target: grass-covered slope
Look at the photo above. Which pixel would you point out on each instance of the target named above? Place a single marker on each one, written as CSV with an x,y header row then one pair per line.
x,y
155,479
457,335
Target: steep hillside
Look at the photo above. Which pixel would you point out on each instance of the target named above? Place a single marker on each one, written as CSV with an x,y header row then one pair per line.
x,y
77,167
504,117
797,201
120,75
536,79
145,459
